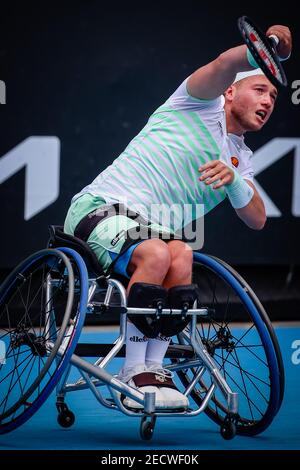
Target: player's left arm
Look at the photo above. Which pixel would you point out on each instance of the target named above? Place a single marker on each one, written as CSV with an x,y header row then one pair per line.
x,y
254,213
248,204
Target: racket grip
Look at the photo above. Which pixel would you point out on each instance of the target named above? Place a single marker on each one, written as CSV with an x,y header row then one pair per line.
x,y
274,42
274,39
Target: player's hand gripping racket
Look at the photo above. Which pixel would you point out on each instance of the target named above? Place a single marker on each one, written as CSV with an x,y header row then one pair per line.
x,y
263,50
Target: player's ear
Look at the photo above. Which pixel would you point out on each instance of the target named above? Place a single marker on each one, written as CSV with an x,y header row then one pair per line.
x,y
230,93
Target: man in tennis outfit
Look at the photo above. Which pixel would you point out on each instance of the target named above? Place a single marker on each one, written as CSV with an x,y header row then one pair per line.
x,y
191,152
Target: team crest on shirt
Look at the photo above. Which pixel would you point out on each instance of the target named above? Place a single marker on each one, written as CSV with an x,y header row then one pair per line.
x,y
235,161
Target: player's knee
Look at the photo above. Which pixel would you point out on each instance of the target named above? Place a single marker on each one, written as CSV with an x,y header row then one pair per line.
x,y
182,263
156,257
186,255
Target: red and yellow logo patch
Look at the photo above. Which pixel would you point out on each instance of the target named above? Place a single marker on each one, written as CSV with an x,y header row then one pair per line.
x,y
235,161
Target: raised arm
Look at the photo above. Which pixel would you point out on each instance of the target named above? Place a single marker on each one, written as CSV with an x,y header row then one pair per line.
x,y
211,80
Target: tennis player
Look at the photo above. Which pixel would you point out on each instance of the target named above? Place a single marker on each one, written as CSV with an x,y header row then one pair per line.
x,y
191,151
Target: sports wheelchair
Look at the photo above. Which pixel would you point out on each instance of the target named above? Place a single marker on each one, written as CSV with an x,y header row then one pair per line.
x,y
227,360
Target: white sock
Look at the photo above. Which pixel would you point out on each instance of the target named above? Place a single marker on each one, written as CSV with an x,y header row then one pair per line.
x,y
156,350
136,346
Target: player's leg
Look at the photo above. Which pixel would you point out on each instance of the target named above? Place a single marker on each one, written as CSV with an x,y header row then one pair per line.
x,y
178,281
180,288
148,266
180,270
179,273
149,263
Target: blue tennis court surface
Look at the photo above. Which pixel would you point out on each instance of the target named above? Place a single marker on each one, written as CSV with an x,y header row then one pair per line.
x,y
99,428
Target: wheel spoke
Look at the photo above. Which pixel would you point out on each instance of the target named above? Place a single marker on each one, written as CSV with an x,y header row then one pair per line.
x,y
240,389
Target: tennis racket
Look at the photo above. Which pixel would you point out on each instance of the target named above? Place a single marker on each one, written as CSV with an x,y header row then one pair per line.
x,y
263,50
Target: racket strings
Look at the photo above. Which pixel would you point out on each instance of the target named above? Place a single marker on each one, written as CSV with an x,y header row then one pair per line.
x,y
263,52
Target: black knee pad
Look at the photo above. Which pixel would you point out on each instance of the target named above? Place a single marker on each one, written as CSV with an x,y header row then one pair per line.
x,y
146,295
178,296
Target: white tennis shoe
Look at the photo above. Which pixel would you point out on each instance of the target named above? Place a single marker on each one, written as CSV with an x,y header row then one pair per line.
x,y
153,379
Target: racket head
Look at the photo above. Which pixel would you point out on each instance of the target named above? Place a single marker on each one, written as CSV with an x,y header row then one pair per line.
x,y
263,51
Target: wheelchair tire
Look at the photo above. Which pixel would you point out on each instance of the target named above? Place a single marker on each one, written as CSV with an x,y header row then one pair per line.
x,y
267,321
36,325
261,387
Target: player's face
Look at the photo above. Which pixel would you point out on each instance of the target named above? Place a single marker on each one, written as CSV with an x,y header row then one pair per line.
x,y
253,102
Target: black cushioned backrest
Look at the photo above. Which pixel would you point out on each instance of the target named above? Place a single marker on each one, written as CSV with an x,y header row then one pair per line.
x,y
59,238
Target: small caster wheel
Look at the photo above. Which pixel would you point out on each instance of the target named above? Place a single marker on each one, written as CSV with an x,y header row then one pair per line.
x,y
146,430
228,430
66,419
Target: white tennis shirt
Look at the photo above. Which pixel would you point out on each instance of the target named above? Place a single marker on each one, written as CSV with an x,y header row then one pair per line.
x,y
159,167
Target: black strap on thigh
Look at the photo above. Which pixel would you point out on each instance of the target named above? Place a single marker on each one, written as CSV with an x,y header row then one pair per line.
x,y
91,220
142,232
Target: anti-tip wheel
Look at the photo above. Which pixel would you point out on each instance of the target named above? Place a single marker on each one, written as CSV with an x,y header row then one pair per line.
x,y
228,430
146,430
66,419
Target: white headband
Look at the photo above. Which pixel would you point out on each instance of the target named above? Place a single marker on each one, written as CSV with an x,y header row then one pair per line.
x,y
242,75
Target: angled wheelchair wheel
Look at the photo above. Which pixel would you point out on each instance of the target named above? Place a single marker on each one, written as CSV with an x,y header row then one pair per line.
x,y
267,322
239,336
42,310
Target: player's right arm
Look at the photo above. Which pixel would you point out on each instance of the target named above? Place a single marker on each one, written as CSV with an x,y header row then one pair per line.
x,y
211,80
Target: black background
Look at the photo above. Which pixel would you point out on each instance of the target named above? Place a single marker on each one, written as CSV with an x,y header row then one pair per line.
x,y
91,73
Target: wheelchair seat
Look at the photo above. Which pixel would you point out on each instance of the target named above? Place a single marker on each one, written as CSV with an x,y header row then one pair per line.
x,y
59,238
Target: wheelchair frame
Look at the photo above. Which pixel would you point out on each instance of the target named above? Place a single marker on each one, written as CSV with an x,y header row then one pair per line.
x,y
192,354
114,385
